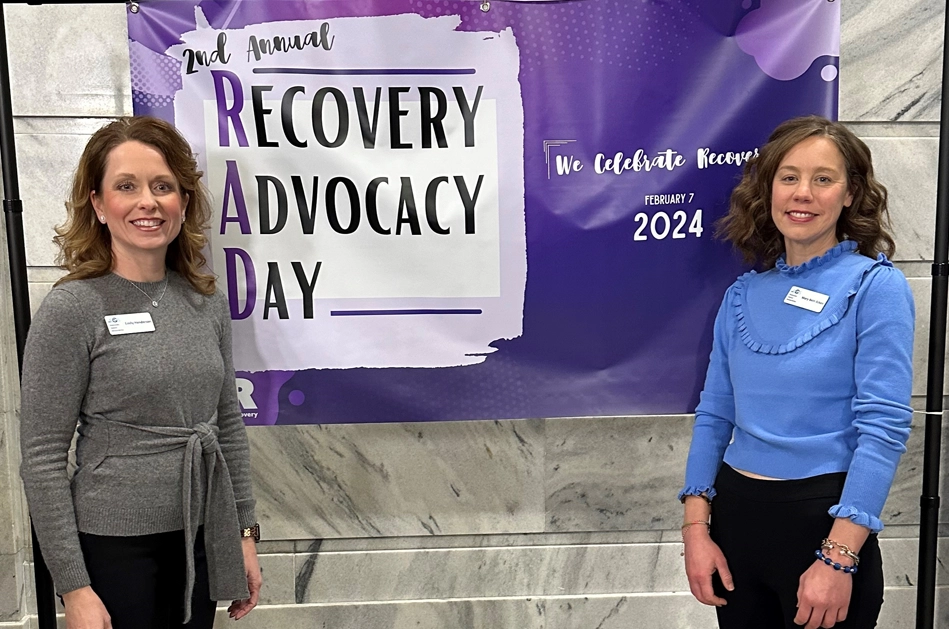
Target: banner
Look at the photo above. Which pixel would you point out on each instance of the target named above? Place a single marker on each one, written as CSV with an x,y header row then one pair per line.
x,y
455,209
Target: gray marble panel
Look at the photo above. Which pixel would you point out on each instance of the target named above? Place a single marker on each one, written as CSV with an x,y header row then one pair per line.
x,y
919,270
278,574
46,164
623,473
276,547
26,582
666,611
14,530
902,504
901,562
472,614
9,588
922,295
38,292
43,274
483,541
376,480
662,611
891,60
12,533
908,167
534,571
48,151
48,44
327,577
41,280
900,129
9,540
899,608
616,473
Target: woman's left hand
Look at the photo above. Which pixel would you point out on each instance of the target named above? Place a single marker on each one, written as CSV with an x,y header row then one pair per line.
x,y
823,596
255,580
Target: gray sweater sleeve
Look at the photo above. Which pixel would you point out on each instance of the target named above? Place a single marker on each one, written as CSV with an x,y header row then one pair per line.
x,y
233,435
55,377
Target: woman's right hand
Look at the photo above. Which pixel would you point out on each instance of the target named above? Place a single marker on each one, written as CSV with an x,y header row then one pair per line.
x,y
703,558
84,610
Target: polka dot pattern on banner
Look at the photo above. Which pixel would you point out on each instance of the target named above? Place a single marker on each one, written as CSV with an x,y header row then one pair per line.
x,y
645,34
156,85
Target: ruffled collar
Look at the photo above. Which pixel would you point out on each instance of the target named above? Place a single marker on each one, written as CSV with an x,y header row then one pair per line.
x,y
834,252
832,314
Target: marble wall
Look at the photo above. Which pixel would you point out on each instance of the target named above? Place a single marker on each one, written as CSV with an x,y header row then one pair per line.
x,y
534,524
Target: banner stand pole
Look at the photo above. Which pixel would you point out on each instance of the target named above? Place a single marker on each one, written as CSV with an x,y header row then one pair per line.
x,y
929,500
13,214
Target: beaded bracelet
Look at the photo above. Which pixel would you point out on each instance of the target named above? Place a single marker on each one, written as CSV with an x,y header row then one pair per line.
x,y
836,566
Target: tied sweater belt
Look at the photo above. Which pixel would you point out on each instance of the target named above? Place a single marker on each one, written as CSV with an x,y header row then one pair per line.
x,y
226,575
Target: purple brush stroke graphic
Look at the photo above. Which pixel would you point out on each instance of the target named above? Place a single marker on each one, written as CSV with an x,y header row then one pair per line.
x,y
786,36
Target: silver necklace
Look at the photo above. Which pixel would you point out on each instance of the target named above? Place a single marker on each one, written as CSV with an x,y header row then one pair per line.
x,y
153,300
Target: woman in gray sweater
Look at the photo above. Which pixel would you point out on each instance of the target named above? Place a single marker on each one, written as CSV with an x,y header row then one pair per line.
x,y
134,344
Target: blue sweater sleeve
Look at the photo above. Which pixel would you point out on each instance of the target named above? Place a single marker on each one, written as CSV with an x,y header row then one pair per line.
x,y
715,414
883,373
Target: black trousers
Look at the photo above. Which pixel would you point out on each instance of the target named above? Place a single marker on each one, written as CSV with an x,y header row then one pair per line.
x,y
768,531
141,580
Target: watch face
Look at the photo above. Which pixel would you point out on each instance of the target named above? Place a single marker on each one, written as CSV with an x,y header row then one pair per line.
x,y
252,531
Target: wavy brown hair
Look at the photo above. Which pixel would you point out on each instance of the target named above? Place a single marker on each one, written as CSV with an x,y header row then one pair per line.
x,y
748,224
85,245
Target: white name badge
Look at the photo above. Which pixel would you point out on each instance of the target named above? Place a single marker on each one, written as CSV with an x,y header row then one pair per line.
x,y
130,323
807,299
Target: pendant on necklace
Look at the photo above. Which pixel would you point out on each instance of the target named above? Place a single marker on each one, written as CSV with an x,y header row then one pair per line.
x,y
154,303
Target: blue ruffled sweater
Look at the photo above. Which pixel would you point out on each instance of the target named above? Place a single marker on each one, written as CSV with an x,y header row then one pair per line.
x,y
792,393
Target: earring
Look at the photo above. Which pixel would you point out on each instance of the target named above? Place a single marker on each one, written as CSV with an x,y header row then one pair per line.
x,y
182,217
102,218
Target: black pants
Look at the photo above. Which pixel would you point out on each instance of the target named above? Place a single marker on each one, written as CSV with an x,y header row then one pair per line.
x,y
141,580
768,531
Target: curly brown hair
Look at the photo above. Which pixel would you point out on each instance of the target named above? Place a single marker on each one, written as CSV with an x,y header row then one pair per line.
x,y
748,224
85,245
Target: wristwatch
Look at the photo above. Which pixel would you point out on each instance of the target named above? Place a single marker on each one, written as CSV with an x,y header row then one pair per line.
x,y
252,531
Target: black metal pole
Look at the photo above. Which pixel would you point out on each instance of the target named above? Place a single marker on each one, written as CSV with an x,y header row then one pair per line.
x,y
929,501
13,214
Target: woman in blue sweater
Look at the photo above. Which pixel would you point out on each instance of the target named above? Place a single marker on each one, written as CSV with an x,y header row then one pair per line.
x,y
805,410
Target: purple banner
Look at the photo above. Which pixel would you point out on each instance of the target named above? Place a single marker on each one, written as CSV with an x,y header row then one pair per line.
x,y
424,210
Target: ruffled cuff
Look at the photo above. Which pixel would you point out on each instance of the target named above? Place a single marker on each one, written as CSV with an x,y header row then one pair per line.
x,y
856,516
709,492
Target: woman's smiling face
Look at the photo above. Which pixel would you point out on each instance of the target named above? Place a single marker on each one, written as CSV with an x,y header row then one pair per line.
x,y
140,201
808,193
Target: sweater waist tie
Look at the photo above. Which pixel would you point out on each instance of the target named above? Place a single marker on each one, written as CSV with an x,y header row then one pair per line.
x,y
218,505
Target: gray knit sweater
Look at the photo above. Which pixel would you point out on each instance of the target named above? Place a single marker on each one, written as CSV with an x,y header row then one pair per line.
x,y
137,398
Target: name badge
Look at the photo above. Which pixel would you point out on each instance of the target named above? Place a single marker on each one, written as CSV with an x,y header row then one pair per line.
x,y
807,299
130,323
